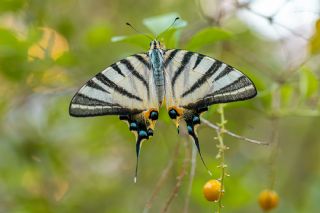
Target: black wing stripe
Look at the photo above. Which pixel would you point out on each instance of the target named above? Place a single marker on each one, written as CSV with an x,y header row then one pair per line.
x,y
224,97
117,88
117,69
94,85
185,61
198,61
135,73
170,57
142,60
223,73
241,82
214,67
82,99
83,112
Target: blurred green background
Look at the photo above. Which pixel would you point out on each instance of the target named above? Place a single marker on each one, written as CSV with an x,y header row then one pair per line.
x,y
51,162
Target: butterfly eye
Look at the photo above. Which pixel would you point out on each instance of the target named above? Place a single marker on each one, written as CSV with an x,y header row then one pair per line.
x,y
153,115
173,114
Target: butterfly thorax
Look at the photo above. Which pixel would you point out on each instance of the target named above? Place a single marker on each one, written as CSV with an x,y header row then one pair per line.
x,y
156,60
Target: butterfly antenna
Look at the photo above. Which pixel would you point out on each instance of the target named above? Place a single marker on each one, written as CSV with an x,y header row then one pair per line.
x,y
146,35
176,19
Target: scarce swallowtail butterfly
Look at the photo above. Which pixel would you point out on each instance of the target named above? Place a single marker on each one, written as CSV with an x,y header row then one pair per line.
x,y
136,87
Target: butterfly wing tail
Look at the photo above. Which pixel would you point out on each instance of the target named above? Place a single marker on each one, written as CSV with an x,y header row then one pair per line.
x,y
192,119
142,125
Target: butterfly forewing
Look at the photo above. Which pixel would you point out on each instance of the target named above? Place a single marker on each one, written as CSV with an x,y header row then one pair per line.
x,y
122,88
194,80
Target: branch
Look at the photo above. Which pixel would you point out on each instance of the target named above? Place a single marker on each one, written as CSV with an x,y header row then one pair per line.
x,y
217,128
162,178
191,177
180,177
221,154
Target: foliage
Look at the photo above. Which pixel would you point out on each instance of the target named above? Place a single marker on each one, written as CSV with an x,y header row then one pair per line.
x,y
54,163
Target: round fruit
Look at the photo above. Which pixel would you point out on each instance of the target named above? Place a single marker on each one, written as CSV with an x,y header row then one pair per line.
x,y
212,190
268,199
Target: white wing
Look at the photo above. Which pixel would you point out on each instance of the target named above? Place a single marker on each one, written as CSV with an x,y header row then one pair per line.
x,y
195,81
125,87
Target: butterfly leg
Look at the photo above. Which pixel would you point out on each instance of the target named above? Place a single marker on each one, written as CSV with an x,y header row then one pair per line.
x,y
142,125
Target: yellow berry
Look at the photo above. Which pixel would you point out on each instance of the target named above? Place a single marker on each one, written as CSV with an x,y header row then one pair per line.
x,y
212,190
268,199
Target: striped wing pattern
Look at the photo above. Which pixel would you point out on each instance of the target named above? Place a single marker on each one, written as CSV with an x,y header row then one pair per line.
x,y
192,83
123,88
194,80
127,89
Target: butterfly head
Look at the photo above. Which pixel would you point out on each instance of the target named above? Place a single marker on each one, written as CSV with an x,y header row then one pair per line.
x,y
154,44
156,49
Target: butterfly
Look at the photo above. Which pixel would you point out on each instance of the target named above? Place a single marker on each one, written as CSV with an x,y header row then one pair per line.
x,y
136,87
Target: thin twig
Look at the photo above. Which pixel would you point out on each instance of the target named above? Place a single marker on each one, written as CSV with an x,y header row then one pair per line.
x,y
217,128
180,177
274,138
191,176
163,177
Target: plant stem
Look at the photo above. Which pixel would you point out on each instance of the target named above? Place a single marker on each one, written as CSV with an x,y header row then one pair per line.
x,y
221,153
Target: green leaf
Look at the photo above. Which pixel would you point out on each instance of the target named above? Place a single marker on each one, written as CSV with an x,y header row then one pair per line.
x,y
287,92
34,35
158,24
208,36
139,40
13,55
98,35
11,5
308,83
170,38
